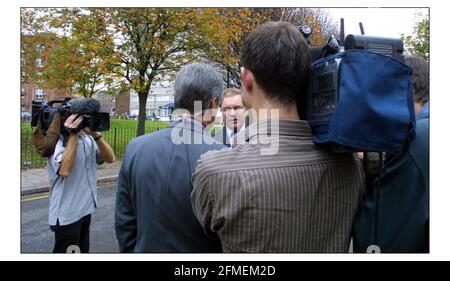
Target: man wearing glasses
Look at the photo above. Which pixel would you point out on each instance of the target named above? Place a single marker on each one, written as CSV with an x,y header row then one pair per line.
x,y
233,114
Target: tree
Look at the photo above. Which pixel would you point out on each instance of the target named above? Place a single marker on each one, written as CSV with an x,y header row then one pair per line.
x,y
84,51
219,36
35,52
115,47
132,48
86,54
75,49
37,45
419,42
223,30
150,44
321,23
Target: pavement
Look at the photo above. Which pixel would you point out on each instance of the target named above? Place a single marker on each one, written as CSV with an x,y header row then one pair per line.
x,y
35,181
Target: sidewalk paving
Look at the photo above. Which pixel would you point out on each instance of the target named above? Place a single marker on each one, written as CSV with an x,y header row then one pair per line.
x,y
36,180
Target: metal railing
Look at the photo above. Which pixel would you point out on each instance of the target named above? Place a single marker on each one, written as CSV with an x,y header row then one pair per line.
x,y
117,138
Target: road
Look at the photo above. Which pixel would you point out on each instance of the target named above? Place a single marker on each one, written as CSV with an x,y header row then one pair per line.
x,y
36,236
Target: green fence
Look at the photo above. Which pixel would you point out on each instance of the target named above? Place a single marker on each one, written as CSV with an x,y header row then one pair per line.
x,y
118,138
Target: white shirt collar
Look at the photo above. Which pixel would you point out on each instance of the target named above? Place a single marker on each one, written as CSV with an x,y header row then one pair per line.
x,y
230,132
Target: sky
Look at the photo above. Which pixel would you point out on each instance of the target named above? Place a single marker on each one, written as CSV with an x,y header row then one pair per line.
x,y
384,22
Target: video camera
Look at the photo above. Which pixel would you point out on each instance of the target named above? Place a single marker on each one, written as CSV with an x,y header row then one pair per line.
x,y
325,77
359,94
44,112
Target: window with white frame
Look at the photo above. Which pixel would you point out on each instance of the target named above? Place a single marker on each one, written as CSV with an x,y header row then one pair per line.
x,y
39,63
40,47
38,93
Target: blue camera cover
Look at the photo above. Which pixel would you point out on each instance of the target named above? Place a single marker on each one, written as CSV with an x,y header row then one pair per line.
x,y
374,105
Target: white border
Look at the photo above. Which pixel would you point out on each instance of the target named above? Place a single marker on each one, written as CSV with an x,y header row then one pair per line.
x,y
10,166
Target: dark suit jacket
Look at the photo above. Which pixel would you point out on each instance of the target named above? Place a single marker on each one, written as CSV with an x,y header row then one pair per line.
x,y
221,136
153,208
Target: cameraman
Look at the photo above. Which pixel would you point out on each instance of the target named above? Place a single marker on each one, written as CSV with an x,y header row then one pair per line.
x,y
73,178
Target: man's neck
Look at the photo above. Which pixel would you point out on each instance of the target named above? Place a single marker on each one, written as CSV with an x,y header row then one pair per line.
x,y
265,108
268,110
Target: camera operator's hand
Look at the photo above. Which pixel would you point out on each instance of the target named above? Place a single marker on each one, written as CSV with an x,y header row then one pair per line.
x,y
94,134
106,152
73,122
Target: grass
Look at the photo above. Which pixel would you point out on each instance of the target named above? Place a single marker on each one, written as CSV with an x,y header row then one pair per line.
x,y
120,133
116,123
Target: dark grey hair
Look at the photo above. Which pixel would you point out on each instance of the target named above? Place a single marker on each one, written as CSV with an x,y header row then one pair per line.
x,y
197,82
420,78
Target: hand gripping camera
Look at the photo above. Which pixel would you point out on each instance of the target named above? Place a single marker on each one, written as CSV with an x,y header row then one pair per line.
x,y
88,108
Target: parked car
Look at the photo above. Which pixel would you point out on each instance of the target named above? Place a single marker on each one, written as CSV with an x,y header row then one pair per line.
x,y
25,116
132,116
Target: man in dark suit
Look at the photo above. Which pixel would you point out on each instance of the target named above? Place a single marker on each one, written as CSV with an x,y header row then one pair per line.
x,y
233,115
153,209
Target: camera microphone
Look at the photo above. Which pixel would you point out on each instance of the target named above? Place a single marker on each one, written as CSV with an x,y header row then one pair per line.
x,y
86,106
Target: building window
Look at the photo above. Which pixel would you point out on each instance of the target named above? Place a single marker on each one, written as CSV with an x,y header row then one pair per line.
x,y
39,63
40,47
38,94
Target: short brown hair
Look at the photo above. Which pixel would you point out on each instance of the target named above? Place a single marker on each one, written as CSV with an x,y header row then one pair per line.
x,y
279,58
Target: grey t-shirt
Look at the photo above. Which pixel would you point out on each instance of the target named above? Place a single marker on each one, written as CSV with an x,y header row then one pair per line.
x,y
74,196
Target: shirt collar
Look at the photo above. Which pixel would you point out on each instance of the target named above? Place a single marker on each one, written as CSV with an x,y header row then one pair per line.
x,y
231,132
298,128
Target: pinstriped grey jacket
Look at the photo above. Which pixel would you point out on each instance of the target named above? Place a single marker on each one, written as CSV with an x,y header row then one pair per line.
x,y
302,198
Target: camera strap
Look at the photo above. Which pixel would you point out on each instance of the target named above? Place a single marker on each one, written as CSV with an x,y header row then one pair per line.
x,y
72,130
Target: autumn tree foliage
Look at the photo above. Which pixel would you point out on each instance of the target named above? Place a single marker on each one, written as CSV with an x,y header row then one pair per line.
x,y
85,54
73,46
320,21
37,45
220,34
150,44
222,31
91,49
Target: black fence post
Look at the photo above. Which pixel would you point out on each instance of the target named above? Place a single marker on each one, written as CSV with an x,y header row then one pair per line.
x,y
114,141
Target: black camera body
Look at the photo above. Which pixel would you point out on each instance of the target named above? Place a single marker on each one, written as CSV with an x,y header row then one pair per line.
x,y
345,70
45,112
324,85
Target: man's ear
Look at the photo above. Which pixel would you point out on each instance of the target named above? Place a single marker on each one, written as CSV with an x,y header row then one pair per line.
x,y
248,79
214,103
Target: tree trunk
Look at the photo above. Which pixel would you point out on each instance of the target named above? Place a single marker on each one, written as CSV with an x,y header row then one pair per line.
x,y
141,117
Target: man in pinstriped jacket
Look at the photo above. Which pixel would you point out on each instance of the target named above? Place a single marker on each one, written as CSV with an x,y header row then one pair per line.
x,y
276,191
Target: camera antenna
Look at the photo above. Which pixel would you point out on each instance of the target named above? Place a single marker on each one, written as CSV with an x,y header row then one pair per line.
x,y
341,40
361,28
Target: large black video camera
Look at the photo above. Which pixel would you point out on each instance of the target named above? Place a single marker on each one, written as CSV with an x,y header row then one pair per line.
x,y
88,108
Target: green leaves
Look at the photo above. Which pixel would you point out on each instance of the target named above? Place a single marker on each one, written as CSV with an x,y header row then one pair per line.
x,y
92,49
419,42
